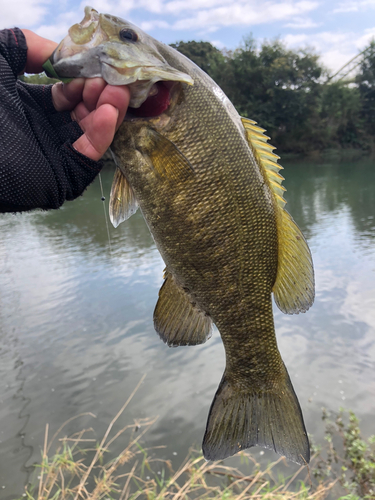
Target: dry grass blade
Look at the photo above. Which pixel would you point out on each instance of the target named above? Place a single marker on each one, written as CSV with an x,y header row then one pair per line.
x,y
125,491
43,460
80,473
293,477
65,424
84,479
250,485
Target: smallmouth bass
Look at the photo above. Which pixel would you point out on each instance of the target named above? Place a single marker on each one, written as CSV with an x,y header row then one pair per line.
x,y
209,188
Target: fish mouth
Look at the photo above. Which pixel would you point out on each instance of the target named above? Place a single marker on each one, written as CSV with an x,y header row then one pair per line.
x,y
158,101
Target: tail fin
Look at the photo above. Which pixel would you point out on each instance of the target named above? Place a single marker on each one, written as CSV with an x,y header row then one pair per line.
x,y
270,419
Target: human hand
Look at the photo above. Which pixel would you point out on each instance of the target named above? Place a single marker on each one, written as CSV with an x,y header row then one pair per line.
x,y
98,108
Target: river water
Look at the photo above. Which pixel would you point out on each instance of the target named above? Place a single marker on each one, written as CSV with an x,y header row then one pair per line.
x,y
76,330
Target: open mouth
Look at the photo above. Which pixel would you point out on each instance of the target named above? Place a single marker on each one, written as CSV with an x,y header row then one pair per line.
x,y
158,101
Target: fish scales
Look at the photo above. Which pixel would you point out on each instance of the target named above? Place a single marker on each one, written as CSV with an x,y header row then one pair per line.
x,y
220,268
211,203
224,252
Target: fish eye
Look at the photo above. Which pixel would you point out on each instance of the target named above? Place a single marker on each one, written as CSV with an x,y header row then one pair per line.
x,y
128,35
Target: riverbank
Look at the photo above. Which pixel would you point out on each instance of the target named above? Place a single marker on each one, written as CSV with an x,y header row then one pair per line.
x,y
82,467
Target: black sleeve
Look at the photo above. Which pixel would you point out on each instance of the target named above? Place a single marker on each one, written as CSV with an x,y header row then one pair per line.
x,y
39,168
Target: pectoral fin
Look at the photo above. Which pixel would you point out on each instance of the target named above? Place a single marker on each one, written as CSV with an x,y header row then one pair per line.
x,y
122,202
177,320
294,288
166,158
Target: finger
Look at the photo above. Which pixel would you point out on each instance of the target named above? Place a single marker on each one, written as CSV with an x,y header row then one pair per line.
x,y
117,96
79,113
99,127
92,90
66,96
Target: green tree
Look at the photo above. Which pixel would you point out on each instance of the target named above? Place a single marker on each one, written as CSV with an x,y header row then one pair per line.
x,y
204,55
340,115
283,90
279,88
366,84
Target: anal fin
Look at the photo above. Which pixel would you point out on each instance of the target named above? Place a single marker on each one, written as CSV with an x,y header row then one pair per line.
x,y
177,320
269,418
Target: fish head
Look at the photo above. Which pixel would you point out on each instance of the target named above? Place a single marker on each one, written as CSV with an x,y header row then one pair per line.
x,y
106,46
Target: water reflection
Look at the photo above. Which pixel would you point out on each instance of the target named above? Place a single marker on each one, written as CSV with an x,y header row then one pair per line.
x,y
81,224
316,190
334,204
80,319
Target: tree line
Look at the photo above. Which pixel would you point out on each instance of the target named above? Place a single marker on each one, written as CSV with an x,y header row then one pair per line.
x,y
288,92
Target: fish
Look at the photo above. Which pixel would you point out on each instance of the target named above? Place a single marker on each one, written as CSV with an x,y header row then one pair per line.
x,y
208,184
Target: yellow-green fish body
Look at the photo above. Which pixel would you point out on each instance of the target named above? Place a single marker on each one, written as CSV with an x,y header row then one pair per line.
x,y
208,186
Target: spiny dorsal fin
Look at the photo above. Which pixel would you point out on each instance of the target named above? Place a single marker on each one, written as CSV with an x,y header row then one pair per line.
x,y
266,158
294,288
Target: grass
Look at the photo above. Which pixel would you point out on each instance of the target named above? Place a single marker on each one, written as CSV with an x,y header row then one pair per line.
x,y
81,468
347,456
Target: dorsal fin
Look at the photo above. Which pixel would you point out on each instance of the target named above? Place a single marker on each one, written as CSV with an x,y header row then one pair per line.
x,y
268,160
294,286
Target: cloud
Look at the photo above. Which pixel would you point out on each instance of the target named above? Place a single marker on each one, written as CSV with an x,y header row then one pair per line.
x,y
54,32
201,18
302,23
249,13
115,7
218,44
196,15
335,48
365,39
22,12
151,25
63,21
296,40
355,6
177,6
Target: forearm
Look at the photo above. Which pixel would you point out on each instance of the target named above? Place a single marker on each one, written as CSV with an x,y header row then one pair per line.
x,y
39,50
39,168
44,130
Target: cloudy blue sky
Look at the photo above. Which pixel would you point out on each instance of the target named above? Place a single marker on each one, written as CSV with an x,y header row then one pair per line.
x,y
337,29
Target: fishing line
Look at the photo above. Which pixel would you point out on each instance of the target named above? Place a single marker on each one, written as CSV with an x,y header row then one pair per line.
x,y
105,214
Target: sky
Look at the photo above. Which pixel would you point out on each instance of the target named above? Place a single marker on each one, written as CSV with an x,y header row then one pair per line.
x,y
337,30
